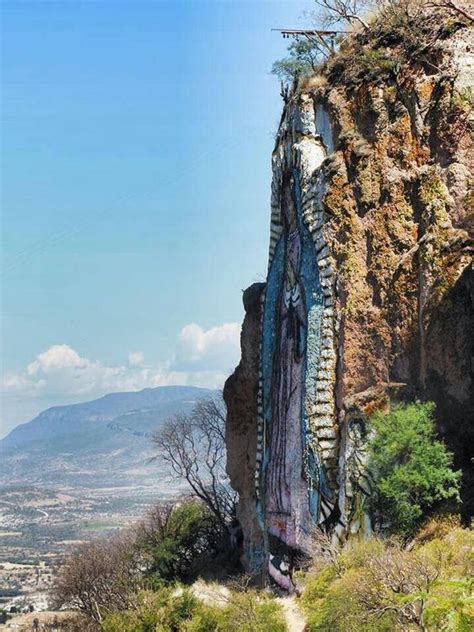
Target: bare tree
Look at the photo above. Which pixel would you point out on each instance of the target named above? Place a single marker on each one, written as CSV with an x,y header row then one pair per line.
x,y
399,582
451,6
344,10
412,8
327,548
194,448
97,577
352,11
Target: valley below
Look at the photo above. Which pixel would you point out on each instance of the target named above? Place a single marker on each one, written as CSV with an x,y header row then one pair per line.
x,y
38,525
76,473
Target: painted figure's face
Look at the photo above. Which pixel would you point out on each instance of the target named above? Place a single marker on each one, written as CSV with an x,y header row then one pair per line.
x,y
290,275
288,204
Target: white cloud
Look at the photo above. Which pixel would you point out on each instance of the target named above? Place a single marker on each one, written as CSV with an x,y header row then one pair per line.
x,y
54,358
135,358
216,348
60,373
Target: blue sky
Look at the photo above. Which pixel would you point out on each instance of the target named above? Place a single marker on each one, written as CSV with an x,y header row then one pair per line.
x,y
136,147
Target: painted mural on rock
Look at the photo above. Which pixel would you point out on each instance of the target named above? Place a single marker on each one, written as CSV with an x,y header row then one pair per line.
x,y
303,480
297,438
293,488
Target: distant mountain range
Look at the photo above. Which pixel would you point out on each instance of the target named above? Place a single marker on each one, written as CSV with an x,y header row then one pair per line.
x,y
104,442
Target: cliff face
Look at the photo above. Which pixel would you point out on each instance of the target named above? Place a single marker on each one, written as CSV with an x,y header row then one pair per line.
x,y
369,294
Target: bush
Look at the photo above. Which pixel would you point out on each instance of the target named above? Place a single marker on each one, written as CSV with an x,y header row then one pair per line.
x,y
171,537
97,577
176,609
155,611
380,587
74,623
377,62
330,596
251,612
102,577
437,527
412,469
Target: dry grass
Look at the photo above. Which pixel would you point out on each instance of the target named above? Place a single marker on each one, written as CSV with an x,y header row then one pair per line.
x,y
313,83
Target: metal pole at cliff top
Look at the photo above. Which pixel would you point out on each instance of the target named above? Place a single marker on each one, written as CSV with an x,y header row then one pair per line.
x,y
319,35
306,32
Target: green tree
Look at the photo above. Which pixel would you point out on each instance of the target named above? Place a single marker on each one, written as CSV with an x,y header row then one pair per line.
x,y
305,56
412,469
171,537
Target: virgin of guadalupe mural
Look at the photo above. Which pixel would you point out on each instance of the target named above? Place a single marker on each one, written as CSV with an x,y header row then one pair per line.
x,y
292,477
285,486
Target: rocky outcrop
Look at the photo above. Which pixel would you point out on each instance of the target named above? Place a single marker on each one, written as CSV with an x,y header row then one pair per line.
x,y
369,294
240,394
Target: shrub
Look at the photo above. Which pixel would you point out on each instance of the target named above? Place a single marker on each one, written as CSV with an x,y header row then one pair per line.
x,y
102,577
97,577
205,619
381,587
330,597
377,61
437,527
171,537
411,468
251,612
176,609
163,610
73,623
449,602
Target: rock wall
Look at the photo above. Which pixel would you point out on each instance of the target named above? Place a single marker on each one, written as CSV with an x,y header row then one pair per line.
x,y
369,292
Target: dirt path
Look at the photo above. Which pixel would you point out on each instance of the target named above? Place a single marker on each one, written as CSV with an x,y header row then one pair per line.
x,y
293,615
211,594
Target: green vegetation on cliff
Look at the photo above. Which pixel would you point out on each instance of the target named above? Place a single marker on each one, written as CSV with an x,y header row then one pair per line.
x,y
393,34
412,469
381,586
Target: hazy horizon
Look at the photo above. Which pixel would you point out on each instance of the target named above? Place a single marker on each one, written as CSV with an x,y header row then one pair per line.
x,y
136,192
